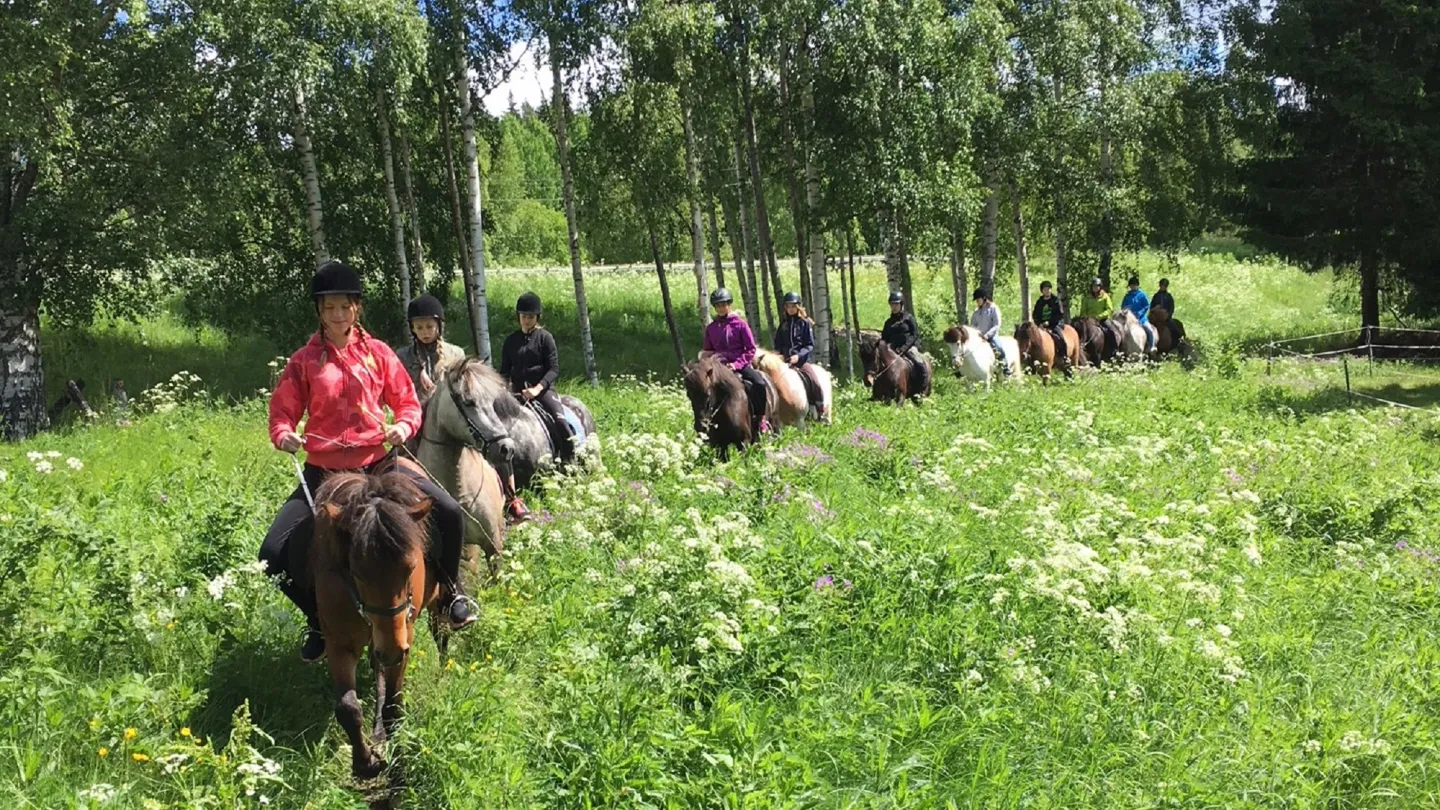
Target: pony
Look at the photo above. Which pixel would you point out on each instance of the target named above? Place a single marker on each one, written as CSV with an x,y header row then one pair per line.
x,y
372,578
1132,334
452,449
792,404
865,340
720,406
1170,332
1097,342
892,375
975,361
490,409
1037,347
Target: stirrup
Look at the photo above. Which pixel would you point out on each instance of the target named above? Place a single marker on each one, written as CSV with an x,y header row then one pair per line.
x,y
469,602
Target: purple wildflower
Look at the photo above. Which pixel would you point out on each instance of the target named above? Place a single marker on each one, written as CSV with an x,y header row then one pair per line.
x,y
846,584
820,509
1402,545
862,437
783,495
824,582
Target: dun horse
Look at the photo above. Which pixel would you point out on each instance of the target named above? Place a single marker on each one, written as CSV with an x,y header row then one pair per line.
x,y
372,579
720,406
792,404
1037,350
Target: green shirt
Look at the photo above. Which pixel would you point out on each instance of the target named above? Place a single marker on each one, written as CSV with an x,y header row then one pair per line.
x,y
1100,308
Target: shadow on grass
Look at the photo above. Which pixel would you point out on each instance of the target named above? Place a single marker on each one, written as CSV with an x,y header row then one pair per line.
x,y
291,700
1315,399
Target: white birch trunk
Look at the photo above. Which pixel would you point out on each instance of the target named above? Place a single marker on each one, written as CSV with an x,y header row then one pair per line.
x,y
310,176
562,145
819,278
392,201
697,228
1022,258
480,316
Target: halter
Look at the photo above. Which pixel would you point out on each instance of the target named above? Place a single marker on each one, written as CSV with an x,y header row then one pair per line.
x,y
366,611
478,437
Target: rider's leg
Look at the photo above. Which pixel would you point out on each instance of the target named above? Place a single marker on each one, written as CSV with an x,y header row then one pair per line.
x,y
1000,355
755,391
515,509
559,428
448,519
922,377
296,519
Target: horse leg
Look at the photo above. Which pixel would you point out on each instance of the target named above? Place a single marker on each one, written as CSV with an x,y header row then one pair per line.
x,y
363,762
387,717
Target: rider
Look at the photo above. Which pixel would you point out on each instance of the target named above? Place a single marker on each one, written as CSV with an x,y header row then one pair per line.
x,y
902,335
429,356
531,362
343,379
1163,299
986,321
1138,305
1050,313
795,341
730,339
1096,304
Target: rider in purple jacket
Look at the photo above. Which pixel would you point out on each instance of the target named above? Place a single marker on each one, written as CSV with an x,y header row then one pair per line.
x,y
729,338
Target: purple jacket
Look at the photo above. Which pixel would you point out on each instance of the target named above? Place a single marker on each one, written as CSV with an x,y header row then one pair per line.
x,y
730,339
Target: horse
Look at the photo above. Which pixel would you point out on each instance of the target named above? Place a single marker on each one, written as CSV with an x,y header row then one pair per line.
x,y
892,375
491,409
720,405
1097,343
1132,334
974,359
372,578
1037,348
792,404
1170,332
452,449
865,339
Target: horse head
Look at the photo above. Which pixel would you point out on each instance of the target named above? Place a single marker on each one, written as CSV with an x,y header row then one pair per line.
x,y
699,379
466,412
373,527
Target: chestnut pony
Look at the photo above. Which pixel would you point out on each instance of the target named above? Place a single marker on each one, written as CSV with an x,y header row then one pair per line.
x,y
1037,349
718,401
372,579
891,375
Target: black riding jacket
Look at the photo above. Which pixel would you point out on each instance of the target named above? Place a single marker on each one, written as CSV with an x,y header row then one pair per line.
x,y
900,332
1049,312
531,359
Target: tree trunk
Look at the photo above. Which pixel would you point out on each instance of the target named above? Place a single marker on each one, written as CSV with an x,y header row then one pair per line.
x,y
819,297
562,146
1370,288
1022,259
392,202
697,229
314,206
958,278
854,306
890,236
990,227
906,283
766,247
746,246
1062,271
716,258
792,185
22,380
1107,181
417,244
665,294
475,271
849,323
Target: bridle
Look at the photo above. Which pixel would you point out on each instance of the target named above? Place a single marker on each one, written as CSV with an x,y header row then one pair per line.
x,y
477,436
366,611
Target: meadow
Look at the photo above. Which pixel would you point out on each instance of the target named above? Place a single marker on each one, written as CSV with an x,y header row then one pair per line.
x,y
1144,589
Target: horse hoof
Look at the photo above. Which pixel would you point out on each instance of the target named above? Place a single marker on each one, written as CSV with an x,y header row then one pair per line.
x,y
368,770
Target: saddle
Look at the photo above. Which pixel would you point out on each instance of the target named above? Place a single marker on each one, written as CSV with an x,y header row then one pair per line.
x,y
552,430
813,394
1112,337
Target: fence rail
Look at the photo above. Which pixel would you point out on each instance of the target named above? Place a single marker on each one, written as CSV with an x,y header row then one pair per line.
x,y
1366,350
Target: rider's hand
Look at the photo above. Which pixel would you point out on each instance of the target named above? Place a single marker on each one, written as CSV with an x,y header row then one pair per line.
x,y
793,360
396,434
533,391
290,441
426,384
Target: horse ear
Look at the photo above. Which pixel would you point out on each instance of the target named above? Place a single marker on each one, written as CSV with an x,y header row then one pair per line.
x,y
332,512
420,509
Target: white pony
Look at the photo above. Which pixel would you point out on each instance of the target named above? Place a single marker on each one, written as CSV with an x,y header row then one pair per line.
x,y
972,357
1132,333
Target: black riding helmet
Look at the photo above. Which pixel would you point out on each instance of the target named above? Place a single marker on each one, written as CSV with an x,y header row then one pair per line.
x,y
897,297
981,294
1045,285
721,296
528,304
336,278
792,298
426,306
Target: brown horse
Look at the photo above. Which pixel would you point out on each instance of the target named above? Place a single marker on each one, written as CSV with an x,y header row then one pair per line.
x,y
721,408
1169,332
372,579
891,375
1098,342
1037,349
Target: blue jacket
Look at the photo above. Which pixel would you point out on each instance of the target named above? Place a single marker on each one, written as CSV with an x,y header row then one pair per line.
x,y
1137,303
795,337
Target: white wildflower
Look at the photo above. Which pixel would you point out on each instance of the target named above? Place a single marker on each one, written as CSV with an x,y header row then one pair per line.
x,y
217,586
74,464
100,792
44,467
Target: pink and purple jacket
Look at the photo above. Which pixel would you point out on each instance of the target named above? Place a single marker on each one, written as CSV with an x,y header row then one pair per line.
x,y
731,340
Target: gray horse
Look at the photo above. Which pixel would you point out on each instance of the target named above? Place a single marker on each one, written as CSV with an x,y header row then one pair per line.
x,y
511,435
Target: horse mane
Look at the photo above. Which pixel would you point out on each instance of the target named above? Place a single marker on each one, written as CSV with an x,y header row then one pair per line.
x,y
725,385
1125,317
482,383
955,334
768,361
374,519
1160,314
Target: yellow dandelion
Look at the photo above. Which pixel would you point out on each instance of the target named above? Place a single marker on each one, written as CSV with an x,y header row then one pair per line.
x,y
131,733
139,757
474,666
449,664
185,732
94,724
103,752
170,626
489,657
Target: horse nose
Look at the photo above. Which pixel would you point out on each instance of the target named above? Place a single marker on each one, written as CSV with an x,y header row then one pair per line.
x,y
507,449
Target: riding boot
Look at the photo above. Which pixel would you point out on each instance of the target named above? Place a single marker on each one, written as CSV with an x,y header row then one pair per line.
x,y
1000,357
515,509
312,648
